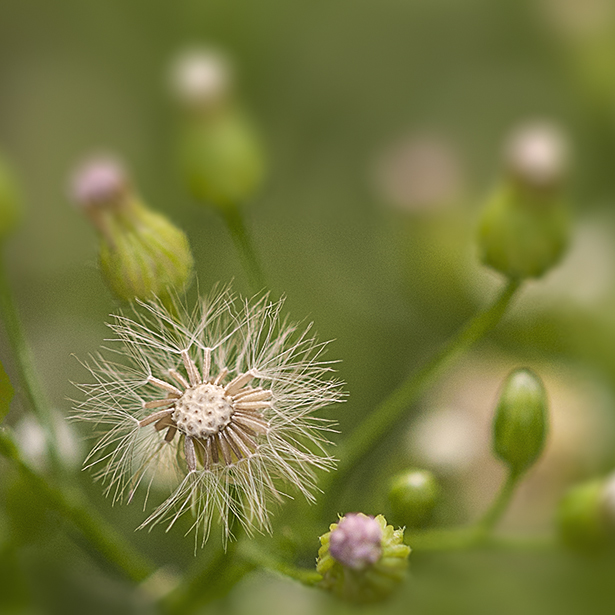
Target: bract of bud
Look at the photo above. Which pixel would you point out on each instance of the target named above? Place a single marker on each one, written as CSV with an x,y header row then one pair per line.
x,y
10,204
523,233
141,252
221,157
413,495
521,420
362,559
144,254
585,521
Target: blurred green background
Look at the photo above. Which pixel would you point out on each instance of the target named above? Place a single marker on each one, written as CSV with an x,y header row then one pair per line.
x,y
340,89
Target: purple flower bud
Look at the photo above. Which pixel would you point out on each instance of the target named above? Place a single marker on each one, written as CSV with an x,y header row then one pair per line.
x,y
356,541
98,181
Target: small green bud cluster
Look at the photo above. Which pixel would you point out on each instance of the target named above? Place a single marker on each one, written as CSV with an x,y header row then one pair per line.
x,y
10,206
220,153
524,229
586,516
521,420
362,559
413,495
141,252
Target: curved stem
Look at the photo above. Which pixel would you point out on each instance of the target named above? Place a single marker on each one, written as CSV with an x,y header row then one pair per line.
x,y
99,534
23,360
243,243
256,555
500,504
369,433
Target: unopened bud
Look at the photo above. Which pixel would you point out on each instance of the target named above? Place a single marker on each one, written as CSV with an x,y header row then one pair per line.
x,y
525,227
141,252
520,425
412,497
362,559
585,519
355,542
10,205
222,158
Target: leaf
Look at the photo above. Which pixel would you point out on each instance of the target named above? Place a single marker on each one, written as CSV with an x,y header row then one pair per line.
x,y
6,393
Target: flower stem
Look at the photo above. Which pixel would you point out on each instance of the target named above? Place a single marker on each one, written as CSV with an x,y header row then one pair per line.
x,y
467,538
369,433
245,248
213,580
101,536
23,360
499,505
255,554
208,583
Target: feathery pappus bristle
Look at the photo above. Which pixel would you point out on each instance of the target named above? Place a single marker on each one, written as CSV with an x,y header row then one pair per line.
x,y
222,399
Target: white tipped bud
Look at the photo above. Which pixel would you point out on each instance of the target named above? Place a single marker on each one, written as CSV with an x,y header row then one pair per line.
x,y
201,77
537,154
98,181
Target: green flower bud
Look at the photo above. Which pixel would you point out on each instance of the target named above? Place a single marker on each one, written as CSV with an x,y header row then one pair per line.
x,y
141,252
362,559
525,227
585,519
222,159
10,205
221,155
521,418
412,497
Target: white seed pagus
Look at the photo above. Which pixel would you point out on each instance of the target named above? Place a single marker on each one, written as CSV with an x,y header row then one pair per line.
x,y
220,403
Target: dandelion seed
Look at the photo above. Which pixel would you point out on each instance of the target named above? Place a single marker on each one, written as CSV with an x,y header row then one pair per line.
x,y
223,400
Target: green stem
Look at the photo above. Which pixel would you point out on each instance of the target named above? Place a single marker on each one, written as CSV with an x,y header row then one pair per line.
x,y
213,580
467,538
371,431
101,536
208,583
245,248
255,554
23,360
499,505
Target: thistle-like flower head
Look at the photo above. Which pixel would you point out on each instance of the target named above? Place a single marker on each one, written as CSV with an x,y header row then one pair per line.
x,y
222,400
362,559
355,542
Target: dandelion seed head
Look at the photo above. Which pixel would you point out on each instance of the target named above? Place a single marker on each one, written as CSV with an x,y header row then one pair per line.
x,y
221,401
203,411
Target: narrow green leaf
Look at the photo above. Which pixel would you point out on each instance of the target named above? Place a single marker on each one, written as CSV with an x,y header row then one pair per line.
x,y
6,393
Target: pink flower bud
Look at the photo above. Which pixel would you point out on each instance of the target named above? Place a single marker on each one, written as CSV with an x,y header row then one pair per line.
x,y
98,181
356,541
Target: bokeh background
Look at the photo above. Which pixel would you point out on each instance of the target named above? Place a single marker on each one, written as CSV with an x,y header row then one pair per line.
x,y
384,123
